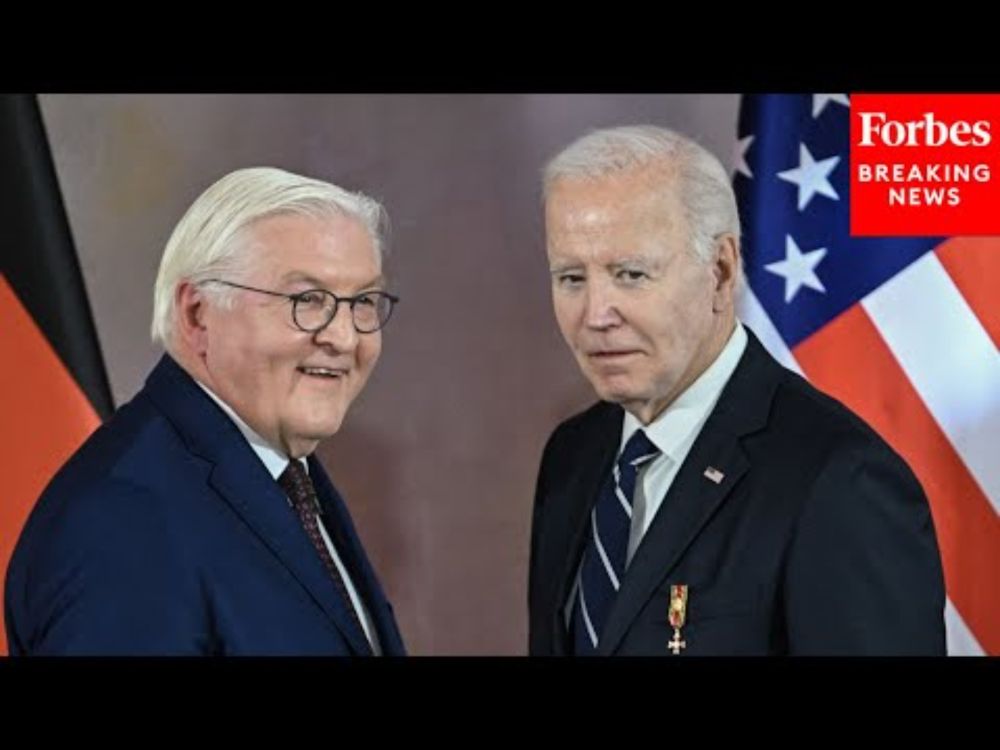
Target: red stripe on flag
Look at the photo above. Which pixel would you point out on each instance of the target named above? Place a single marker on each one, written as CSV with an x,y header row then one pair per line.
x,y
45,418
974,265
849,360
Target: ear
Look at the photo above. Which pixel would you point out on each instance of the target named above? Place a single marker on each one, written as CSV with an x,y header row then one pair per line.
x,y
190,329
726,270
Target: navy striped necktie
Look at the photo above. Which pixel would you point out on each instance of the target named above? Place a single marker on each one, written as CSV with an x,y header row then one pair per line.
x,y
604,557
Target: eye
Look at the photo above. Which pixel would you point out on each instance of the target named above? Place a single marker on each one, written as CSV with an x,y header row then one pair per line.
x,y
569,279
367,299
310,298
632,275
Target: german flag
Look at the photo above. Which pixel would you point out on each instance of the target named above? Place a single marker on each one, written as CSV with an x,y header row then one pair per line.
x,y
53,388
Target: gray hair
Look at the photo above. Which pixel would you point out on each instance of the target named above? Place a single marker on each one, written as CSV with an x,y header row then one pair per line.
x,y
208,240
706,195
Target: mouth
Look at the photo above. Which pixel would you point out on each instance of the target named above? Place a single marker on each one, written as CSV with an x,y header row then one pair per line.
x,y
612,362
611,355
323,373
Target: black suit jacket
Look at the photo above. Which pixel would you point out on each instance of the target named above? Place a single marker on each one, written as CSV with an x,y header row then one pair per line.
x,y
818,540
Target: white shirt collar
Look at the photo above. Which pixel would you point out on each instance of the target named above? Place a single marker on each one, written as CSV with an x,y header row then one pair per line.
x,y
688,412
274,460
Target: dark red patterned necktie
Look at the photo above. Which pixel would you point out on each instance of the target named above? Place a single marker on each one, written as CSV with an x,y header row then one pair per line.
x,y
296,483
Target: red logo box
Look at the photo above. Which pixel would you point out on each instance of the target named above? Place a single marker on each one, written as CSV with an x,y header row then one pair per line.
x,y
925,164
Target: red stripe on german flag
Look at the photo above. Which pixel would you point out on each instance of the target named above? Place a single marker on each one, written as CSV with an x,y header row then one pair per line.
x,y
46,417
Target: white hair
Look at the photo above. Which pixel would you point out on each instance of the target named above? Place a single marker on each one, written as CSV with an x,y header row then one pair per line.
x,y
703,187
207,241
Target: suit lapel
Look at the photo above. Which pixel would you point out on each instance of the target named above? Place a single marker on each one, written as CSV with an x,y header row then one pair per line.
x,y
591,466
265,509
352,554
693,497
689,504
242,481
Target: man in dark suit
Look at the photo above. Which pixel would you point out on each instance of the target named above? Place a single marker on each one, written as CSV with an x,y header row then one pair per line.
x,y
197,521
713,502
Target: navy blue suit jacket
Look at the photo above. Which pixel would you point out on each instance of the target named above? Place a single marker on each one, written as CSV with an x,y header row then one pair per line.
x,y
817,540
165,534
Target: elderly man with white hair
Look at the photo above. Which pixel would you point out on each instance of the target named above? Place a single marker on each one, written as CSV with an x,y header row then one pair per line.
x,y
712,502
196,521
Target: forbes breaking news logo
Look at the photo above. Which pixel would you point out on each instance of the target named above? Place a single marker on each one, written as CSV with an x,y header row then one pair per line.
x,y
924,164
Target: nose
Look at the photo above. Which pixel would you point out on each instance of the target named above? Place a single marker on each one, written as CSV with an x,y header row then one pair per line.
x,y
601,310
340,332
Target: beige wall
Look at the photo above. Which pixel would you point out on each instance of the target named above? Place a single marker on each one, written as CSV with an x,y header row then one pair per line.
x,y
437,459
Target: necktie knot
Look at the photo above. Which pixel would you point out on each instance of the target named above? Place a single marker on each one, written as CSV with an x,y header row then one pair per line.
x,y
298,486
638,451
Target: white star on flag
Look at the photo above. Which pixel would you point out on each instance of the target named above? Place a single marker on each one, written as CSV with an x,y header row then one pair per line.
x,y
740,165
798,268
821,100
811,176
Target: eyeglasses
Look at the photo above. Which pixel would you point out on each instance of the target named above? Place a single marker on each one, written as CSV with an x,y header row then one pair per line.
x,y
313,309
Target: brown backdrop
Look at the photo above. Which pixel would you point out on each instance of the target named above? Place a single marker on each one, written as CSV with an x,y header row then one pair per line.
x,y
438,457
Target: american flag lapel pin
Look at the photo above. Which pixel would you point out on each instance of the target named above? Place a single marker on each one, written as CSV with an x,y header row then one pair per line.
x,y
714,475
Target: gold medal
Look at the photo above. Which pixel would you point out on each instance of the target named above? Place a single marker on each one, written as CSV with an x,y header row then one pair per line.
x,y
676,615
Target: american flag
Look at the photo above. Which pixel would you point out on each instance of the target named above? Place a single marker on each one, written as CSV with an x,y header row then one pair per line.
x,y
904,331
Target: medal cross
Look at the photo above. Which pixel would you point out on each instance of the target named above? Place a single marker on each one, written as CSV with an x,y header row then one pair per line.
x,y
677,644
